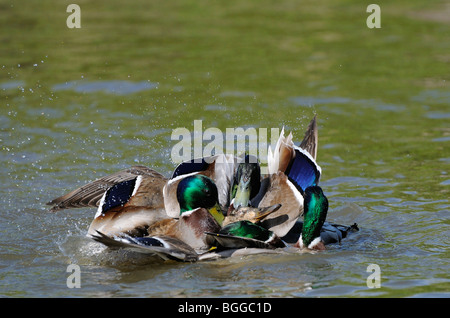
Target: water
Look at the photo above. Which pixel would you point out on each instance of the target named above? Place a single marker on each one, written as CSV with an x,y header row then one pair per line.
x,y
77,104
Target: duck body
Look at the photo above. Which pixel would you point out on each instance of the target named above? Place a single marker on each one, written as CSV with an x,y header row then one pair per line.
x,y
292,182
291,170
190,227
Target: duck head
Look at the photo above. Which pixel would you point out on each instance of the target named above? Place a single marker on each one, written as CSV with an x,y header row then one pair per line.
x,y
246,229
315,213
199,191
250,232
247,182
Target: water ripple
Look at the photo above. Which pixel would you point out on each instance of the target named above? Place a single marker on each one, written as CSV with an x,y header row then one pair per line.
x,y
112,87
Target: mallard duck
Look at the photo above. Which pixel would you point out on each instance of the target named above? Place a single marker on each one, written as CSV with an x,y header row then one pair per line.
x,y
128,201
292,181
186,237
246,234
130,209
311,233
291,169
139,207
200,213
315,213
131,200
246,183
219,168
243,234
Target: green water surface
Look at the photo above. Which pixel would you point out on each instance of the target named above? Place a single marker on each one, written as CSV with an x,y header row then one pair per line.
x,y
77,104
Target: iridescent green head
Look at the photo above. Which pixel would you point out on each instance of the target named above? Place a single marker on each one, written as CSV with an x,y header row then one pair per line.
x,y
315,213
247,229
199,191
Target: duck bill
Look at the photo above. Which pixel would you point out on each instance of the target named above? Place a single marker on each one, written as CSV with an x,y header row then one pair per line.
x,y
216,212
264,212
242,197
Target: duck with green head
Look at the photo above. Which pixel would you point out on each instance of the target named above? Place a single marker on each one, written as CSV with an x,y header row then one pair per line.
x,y
314,232
199,213
314,215
247,234
243,234
179,238
291,169
140,202
199,191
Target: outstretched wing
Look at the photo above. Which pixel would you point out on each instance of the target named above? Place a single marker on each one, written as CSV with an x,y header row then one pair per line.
x,y
90,194
165,247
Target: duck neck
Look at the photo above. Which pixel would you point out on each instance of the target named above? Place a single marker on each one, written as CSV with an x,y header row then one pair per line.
x,y
246,183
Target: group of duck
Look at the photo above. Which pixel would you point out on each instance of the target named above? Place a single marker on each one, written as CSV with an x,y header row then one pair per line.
x,y
214,207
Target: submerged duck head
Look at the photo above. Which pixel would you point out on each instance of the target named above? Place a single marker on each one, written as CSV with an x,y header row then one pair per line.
x,y
315,213
247,182
247,229
251,235
199,191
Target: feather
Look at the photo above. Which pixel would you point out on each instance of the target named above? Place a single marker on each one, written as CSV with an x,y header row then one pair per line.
x,y
281,191
230,241
164,246
273,157
311,138
303,171
90,194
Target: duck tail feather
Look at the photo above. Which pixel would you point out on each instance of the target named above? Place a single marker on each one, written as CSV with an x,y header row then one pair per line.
x,y
310,140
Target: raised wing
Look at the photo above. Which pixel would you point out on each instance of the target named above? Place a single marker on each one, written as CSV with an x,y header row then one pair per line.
x,y
90,194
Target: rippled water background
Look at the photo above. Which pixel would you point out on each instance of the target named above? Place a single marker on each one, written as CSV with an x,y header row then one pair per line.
x,y
77,104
